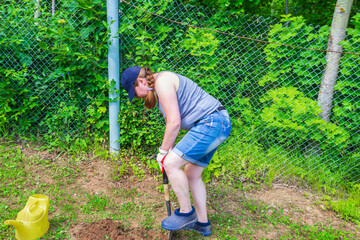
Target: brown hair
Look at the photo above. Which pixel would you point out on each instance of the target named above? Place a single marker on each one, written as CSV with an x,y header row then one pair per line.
x,y
151,98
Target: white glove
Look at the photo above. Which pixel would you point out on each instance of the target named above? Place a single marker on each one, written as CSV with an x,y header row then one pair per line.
x,y
160,156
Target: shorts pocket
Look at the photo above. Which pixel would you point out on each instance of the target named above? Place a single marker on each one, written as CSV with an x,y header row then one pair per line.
x,y
225,130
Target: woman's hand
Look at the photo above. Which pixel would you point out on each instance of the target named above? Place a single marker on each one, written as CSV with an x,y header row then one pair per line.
x,y
160,157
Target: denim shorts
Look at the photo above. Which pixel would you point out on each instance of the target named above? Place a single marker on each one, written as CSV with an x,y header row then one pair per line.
x,y
201,141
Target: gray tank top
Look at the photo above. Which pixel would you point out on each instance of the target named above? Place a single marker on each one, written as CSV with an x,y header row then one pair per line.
x,y
194,103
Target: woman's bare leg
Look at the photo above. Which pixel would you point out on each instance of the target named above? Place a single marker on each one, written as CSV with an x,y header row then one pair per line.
x,y
179,182
198,190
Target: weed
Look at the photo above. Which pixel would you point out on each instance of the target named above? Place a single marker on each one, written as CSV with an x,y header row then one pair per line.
x,y
125,193
148,222
96,203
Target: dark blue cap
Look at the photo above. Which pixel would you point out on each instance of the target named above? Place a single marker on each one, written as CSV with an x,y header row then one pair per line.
x,y
128,77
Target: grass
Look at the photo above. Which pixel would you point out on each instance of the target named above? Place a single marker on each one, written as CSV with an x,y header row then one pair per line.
x,y
25,170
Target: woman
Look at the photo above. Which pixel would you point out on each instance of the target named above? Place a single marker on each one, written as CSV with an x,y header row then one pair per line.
x,y
184,105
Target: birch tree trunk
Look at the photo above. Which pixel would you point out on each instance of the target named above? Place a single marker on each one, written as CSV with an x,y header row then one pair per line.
x,y
287,11
53,8
37,12
337,34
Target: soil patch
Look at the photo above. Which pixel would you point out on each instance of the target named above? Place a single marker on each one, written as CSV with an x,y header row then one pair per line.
x,y
114,230
299,205
98,177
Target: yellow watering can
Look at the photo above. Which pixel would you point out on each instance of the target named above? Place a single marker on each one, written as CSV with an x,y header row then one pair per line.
x,y
32,221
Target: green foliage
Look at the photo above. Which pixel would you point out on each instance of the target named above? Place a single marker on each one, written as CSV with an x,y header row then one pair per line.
x,y
293,66
80,54
313,11
12,172
269,90
200,42
96,203
69,68
347,206
138,130
294,119
77,49
320,12
14,45
237,6
291,110
346,110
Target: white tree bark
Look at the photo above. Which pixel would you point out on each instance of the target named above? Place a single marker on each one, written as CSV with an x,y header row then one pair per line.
x,y
37,12
337,34
53,8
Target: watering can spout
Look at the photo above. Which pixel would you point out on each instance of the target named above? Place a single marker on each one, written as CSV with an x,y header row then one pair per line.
x,y
14,223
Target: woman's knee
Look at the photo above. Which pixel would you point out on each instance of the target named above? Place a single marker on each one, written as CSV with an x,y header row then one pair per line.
x,y
168,166
173,161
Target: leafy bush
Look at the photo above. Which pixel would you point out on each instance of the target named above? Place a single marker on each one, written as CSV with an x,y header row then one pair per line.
x,y
294,119
294,115
54,78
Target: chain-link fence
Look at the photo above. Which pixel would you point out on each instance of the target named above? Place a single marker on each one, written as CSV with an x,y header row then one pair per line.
x,y
266,72
268,75
53,67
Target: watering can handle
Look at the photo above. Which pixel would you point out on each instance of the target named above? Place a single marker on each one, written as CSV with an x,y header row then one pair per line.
x,y
36,213
33,205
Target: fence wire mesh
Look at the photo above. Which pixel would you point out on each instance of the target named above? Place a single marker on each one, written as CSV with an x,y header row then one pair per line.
x,y
44,50
266,72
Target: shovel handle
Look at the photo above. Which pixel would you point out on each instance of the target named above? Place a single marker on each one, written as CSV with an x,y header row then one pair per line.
x,y
167,198
167,193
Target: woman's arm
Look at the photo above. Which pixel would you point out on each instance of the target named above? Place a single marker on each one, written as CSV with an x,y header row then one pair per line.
x,y
165,87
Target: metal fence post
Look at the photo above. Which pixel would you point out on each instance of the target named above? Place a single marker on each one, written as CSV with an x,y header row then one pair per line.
x,y
113,72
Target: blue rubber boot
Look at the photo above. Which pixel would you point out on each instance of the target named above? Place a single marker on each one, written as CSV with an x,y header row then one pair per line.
x,y
202,228
179,220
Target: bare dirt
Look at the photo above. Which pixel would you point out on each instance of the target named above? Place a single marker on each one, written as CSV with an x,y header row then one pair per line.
x,y
302,206
98,173
114,230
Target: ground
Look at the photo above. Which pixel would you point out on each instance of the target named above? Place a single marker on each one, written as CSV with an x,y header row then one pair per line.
x,y
297,203
95,198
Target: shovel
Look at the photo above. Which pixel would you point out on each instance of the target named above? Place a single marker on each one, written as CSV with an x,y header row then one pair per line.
x,y
167,198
